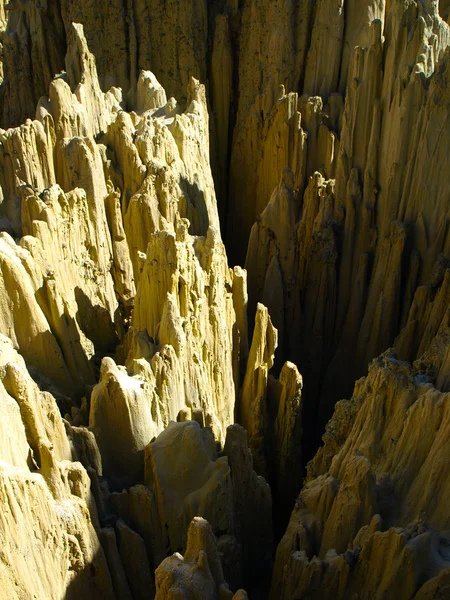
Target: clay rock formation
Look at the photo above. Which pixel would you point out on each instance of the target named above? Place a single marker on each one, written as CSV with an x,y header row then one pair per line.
x,y
253,400
271,411
347,254
246,51
76,184
63,218
350,574
185,304
186,476
199,573
377,473
51,545
121,418
92,207
318,132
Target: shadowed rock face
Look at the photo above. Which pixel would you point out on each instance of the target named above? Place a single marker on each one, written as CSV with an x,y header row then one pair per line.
x,y
159,408
352,255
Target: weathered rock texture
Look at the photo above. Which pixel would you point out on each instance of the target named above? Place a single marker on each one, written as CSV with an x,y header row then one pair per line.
x,y
326,127
271,411
96,188
110,241
344,264
50,546
245,50
184,477
376,489
199,573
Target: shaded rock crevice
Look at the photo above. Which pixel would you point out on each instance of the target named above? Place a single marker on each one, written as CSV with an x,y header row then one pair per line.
x,y
159,408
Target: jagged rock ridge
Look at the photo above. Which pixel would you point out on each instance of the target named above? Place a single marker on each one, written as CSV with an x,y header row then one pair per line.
x,y
119,308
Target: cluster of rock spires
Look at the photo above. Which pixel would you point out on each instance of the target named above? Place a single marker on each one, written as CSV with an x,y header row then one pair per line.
x,y
159,408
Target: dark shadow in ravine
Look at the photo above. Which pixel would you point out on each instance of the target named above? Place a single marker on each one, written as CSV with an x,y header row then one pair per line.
x,y
193,207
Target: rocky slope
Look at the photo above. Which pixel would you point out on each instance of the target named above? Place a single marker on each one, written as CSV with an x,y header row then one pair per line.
x,y
159,407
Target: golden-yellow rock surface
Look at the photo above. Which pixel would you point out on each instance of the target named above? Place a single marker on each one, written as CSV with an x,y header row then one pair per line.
x,y
376,488
345,258
199,573
158,407
50,545
76,183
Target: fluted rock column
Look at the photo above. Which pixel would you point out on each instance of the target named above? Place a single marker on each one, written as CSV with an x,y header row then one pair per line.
x,y
199,573
253,398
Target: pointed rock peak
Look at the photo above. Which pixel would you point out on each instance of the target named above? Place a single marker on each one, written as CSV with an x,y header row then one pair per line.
x,y
80,63
150,93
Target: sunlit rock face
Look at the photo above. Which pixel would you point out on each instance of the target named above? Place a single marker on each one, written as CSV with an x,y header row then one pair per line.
x,y
172,425
120,249
376,488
